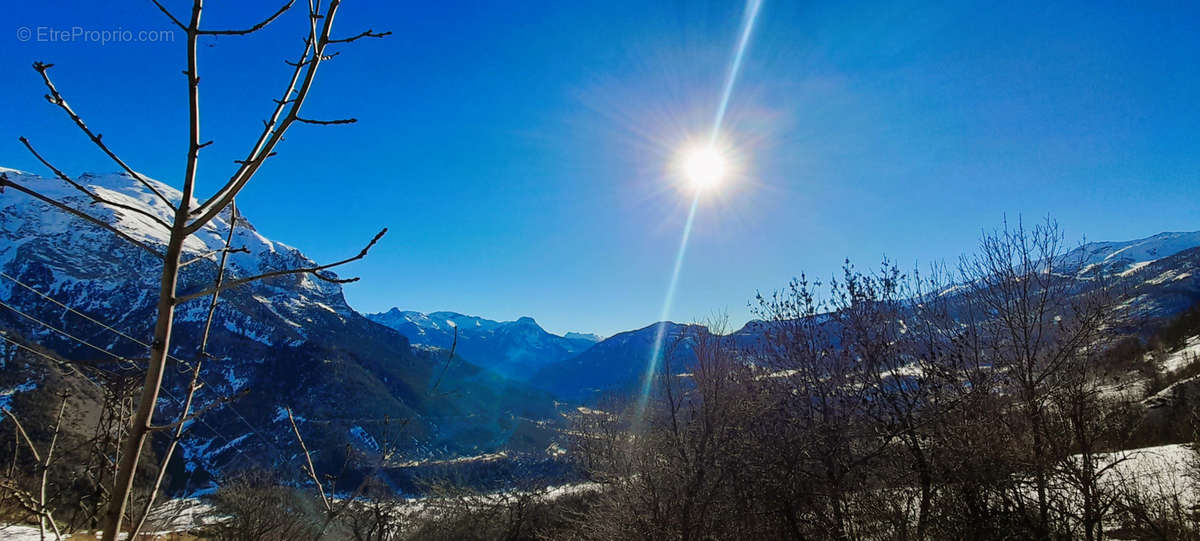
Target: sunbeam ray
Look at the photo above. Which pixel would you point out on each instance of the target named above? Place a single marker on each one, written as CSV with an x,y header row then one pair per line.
x,y
748,19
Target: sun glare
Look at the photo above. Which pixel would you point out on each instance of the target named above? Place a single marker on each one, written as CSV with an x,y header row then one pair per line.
x,y
704,167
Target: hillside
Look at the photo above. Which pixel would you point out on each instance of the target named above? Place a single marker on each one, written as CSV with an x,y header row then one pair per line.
x,y
289,341
1160,273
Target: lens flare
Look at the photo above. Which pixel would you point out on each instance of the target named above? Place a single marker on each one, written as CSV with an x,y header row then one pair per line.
x,y
704,168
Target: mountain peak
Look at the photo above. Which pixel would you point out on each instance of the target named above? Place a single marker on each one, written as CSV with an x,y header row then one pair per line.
x,y
511,348
583,336
1131,255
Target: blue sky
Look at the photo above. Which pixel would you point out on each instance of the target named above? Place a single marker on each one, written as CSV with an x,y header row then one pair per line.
x,y
518,150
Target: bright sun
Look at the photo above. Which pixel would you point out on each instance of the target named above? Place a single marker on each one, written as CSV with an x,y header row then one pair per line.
x,y
704,167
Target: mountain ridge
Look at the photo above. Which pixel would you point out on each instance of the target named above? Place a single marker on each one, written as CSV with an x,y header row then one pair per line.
x,y
513,349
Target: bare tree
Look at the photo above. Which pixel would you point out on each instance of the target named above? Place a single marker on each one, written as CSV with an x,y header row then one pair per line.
x,y
675,473
826,439
38,504
188,218
1043,324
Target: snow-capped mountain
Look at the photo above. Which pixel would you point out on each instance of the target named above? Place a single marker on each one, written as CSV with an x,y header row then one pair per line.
x,y
79,258
289,341
1128,256
583,340
514,349
1160,274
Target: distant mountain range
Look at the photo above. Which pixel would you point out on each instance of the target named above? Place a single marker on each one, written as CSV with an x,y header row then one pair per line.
x,y
615,364
294,342
513,349
1161,272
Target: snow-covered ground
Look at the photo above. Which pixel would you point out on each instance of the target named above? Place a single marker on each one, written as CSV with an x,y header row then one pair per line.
x,y
172,516
1164,462
1184,356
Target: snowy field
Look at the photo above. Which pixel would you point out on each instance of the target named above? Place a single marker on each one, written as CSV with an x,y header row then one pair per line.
x,y
179,515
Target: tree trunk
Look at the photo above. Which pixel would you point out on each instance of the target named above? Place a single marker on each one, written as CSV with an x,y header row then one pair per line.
x,y
141,423
142,418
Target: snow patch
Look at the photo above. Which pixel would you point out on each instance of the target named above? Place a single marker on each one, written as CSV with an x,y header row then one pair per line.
x,y
235,382
364,438
1186,355
6,395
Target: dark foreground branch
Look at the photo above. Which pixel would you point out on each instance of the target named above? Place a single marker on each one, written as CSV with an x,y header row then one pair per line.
x,y
314,271
5,182
167,12
55,98
211,253
96,198
327,122
366,34
254,28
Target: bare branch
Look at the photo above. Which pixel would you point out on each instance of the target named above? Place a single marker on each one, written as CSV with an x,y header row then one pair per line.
x,y
312,472
24,435
211,253
254,28
93,195
4,181
183,420
366,34
314,271
55,98
46,469
314,54
30,504
327,122
298,64
449,359
170,16
254,158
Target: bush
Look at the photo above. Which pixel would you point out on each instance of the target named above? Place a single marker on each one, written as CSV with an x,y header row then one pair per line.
x,y
252,506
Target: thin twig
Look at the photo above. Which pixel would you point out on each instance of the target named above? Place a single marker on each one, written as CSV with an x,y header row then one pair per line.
x,y
220,401
365,34
254,28
206,255
170,16
449,359
312,472
46,470
55,98
96,198
327,122
24,435
6,182
314,271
